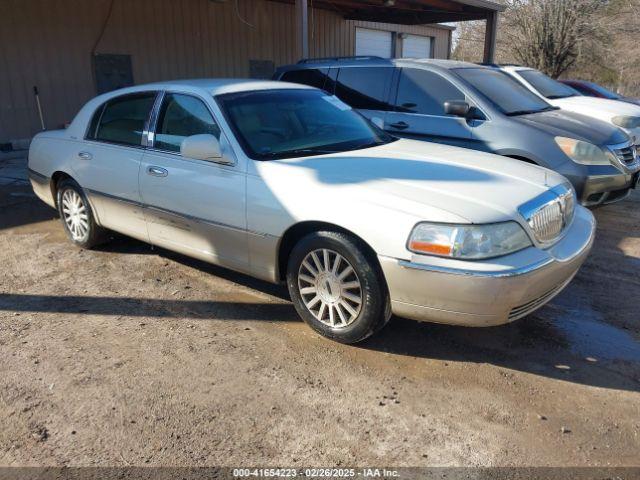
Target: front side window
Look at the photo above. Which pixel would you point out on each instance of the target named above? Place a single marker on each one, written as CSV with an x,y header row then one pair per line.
x,y
365,88
547,86
272,124
506,93
123,119
180,117
424,92
314,77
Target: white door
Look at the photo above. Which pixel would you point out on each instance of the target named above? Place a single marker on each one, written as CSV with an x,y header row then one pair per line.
x,y
195,207
374,42
416,46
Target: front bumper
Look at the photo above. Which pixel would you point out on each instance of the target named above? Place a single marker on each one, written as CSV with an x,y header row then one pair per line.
x,y
606,187
489,292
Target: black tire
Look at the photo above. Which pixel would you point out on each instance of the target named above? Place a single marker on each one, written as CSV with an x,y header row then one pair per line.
x,y
95,234
375,307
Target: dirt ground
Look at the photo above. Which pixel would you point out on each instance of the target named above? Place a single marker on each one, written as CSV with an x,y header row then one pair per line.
x,y
128,355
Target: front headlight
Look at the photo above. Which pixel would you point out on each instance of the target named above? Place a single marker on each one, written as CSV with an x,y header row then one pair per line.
x,y
584,152
471,242
627,122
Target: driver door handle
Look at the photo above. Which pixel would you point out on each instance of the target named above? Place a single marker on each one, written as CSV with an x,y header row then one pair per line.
x,y
85,155
157,171
400,125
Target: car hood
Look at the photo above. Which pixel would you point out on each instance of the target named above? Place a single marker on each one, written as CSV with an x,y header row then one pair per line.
x,y
570,124
428,181
601,108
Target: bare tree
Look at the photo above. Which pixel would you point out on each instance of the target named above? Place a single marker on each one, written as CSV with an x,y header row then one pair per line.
x,y
550,35
593,40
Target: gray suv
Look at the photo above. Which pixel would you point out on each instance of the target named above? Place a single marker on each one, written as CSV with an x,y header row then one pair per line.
x,y
477,107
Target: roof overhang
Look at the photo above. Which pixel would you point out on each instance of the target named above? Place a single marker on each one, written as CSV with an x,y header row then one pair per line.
x,y
409,12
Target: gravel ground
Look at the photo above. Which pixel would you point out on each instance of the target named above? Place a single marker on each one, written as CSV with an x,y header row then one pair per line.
x,y
128,355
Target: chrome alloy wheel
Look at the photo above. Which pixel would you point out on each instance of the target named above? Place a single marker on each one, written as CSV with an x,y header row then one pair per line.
x,y
330,288
74,212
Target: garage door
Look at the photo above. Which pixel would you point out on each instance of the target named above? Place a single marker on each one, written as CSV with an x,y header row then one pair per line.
x,y
373,42
416,46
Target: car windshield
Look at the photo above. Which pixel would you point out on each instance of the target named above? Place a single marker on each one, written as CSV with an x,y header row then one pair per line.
x,y
605,92
547,86
508,95
272,124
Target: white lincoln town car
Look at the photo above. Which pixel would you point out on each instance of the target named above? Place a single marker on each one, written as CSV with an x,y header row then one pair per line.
x,y
288,184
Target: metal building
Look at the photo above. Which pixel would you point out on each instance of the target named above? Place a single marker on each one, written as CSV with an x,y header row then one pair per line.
x,y
70,50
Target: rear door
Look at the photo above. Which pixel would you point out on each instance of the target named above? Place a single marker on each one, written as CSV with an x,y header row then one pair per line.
x,y
196,207
109,160
418,110
366,89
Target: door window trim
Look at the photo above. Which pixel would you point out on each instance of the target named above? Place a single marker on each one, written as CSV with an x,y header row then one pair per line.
x,y
386,97
150,137
395,89
102,107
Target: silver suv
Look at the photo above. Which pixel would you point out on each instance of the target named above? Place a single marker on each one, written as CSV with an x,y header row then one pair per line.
x,y
477,107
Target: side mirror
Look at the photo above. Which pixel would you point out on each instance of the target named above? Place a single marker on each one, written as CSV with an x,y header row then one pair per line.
x,y
457,108
201,147
378,122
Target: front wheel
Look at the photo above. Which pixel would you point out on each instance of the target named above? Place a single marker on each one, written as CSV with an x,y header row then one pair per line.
x,y
77,217
336,288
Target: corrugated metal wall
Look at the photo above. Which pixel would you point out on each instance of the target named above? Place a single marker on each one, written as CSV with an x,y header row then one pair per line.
x,y
48,44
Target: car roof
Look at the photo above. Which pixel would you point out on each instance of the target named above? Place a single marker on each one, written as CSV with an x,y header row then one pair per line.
x,y
515,68
372,61
213,86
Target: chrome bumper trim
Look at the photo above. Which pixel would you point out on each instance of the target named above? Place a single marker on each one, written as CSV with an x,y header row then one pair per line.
x,y
478,273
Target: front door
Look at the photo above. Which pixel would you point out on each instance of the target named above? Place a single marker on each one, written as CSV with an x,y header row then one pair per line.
x,y
196,207
419,109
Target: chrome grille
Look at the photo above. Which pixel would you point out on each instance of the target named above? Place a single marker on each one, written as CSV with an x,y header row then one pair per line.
x,y
626,155
547,222
549,213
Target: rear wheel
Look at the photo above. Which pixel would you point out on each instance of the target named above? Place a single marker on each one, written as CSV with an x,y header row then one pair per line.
x,y
336,288
77,217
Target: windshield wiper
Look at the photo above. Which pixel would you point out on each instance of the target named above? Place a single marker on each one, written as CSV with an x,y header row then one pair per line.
x,y
372,144
299,151
526,112
556,97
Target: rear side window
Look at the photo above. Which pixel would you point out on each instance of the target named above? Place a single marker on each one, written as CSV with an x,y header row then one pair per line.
x,y
123,119
313,77
365,88
424,92
180,117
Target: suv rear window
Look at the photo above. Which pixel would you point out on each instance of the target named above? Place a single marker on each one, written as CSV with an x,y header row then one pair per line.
x,y
313,77
365,88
